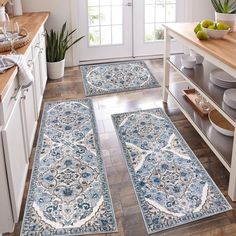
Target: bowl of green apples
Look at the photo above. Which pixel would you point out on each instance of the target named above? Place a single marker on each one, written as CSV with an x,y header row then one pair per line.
x,y
215,30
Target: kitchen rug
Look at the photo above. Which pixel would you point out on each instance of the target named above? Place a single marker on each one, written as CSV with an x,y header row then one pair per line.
x,y
171,185
69,193
117,77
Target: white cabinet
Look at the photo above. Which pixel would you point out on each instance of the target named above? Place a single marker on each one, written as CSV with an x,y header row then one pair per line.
x,y
42,60
29,117
19,112
15,155
6,219
37,84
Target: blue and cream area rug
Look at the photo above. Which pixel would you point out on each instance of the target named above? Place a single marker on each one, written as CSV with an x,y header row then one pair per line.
x,y
69,193
171,185
117,77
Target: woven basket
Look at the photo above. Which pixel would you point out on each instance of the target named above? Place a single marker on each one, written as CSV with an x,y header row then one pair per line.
x,y
22,41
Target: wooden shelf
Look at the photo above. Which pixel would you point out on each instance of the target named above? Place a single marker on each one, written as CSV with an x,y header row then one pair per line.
x,y
222,145
200,78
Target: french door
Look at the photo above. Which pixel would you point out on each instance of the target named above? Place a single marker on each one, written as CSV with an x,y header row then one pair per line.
x,y
107,25
124,28
148,17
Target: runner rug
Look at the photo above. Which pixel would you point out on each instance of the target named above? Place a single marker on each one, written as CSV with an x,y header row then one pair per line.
x,y
117,77
69,193
171,185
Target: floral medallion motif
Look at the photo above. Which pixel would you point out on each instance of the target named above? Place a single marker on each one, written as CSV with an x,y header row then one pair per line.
x,y
171,185
69,192
117,77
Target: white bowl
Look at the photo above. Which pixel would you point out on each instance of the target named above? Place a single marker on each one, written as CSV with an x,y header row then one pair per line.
x,y
188,61
220,123
216,34
199,58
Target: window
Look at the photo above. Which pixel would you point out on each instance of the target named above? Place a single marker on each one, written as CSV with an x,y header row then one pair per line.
x,y
105,19
156,13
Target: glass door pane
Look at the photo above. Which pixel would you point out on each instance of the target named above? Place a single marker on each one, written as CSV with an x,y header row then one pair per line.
x,y
105,19
156,13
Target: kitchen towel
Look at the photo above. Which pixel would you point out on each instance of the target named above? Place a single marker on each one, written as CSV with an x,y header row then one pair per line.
x,y
25,75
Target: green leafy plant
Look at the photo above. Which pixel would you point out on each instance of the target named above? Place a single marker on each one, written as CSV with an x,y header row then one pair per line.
x,y
57,43
224,6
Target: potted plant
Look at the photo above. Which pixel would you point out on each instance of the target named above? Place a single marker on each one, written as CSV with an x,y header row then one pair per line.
x,y
225,11
57,44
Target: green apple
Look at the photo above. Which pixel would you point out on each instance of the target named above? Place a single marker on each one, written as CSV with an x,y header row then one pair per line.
x,y
222,26
206,23
211,27
198,28
202,35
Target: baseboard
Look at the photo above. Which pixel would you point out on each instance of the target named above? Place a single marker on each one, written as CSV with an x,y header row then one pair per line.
x,y
119,59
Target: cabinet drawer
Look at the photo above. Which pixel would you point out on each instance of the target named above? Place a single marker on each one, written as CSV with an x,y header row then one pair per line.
x,y
9,100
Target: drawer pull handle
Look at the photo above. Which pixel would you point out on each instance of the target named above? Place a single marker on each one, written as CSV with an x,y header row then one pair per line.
x,y
30,62
16,93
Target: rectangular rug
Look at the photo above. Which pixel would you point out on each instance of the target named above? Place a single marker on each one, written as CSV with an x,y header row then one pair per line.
x,y
117,77
69,193
171,185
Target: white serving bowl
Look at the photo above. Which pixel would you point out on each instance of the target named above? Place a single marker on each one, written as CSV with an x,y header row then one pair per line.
x,y
188,61
216,34
220,123
199,58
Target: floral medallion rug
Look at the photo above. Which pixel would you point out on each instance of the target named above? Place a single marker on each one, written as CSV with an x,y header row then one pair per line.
x,y
69,193
117,77
171,185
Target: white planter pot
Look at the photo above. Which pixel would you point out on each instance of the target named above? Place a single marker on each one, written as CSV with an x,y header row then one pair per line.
x,y
56,69
228,19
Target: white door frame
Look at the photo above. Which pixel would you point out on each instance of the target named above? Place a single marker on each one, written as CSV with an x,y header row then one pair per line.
x,y
74,4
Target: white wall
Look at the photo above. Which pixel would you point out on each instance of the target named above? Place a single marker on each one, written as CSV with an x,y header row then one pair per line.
x,y
199,10
60,11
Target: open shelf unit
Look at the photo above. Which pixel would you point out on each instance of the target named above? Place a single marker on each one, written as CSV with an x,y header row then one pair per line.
x,y
220,144
198,78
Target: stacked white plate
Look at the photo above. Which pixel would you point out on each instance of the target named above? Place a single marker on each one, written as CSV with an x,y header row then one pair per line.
x,y
222,79
230,98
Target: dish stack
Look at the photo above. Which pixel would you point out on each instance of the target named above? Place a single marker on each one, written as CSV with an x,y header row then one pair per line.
x,y
222,79
230,98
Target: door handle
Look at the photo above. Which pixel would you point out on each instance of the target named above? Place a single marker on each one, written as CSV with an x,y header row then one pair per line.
x,y
129,4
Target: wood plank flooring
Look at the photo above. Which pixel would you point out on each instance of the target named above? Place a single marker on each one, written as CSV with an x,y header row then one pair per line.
x,y
128,214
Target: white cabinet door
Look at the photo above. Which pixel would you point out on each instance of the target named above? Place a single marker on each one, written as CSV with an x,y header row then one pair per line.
x,y
37,84
29,117
43,63
15,156
6,220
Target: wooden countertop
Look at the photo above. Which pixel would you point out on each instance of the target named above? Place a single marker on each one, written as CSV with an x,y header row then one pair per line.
x,y
223,49
32,23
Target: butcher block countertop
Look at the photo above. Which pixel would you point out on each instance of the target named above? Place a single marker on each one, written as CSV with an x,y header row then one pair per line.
x,y
32,23
222,49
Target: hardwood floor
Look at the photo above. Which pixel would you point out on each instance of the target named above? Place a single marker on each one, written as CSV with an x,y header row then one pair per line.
x,y
128,214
